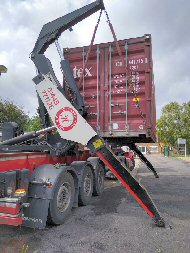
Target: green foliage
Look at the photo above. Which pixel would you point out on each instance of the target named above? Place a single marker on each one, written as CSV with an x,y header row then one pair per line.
x,y
174,123
34,124
10,112
3,69
186,122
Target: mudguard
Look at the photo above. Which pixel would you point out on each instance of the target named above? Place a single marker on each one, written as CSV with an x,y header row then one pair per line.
x,y
41,189
79,168
95,161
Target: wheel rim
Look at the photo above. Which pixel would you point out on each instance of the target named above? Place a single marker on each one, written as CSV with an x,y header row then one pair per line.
x,y
63,197
88,183
100,178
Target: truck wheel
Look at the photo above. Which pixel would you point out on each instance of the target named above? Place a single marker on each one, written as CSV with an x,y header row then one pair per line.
x,y
99,181
63,198
86,187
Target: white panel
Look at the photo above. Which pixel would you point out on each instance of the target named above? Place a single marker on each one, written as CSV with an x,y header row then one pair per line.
x,y
70,124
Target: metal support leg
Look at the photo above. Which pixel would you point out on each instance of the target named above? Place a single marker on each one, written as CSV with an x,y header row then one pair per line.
x,y
133,147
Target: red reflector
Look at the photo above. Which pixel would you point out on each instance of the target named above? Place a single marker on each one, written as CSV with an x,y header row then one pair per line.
x,y
12,221
9,208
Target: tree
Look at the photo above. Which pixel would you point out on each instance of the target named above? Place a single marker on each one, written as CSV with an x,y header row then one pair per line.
x,y
34,124
10,112
3,69
174,123
186,123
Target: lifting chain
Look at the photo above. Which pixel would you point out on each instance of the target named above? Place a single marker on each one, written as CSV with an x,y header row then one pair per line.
x,y
90,48
98,21
108,19
113,33
92,41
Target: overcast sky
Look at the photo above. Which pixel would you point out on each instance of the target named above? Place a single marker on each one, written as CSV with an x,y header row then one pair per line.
x,y
167,20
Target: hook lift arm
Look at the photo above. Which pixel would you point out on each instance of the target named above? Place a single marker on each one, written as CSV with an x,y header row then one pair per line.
x,y
67,117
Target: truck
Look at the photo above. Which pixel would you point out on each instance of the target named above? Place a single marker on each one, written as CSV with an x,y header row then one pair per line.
x,y
45,173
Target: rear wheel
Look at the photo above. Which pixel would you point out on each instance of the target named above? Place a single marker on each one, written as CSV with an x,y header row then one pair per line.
x,y
63,198
99,181
86,187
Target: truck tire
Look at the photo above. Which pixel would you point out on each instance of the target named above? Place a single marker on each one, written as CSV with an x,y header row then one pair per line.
x,y
99,181
86,187
62,201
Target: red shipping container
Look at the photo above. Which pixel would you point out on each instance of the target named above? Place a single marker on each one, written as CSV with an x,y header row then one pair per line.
x,y
118,91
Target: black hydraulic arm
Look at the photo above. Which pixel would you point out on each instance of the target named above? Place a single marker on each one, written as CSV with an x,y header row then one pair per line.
x,y
52,30
27,136
133,147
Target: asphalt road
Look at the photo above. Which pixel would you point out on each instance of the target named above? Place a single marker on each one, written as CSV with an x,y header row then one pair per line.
x,y
115,222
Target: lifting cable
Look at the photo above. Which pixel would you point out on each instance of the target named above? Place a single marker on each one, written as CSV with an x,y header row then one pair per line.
x,y
92,41
114,35
90,48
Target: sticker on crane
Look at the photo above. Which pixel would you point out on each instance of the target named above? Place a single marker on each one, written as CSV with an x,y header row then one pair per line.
x,y
66,119
69,123
98,143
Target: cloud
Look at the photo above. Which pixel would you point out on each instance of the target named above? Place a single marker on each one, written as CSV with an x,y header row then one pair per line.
x,y
21,22
167,21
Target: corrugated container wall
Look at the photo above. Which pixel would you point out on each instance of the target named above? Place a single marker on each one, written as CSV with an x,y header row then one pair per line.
x,y
118,91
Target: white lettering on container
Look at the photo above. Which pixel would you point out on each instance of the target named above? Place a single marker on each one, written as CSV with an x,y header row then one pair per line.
x,y
78,71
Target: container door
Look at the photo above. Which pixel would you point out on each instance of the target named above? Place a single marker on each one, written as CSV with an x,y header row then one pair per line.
x,y
117,91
